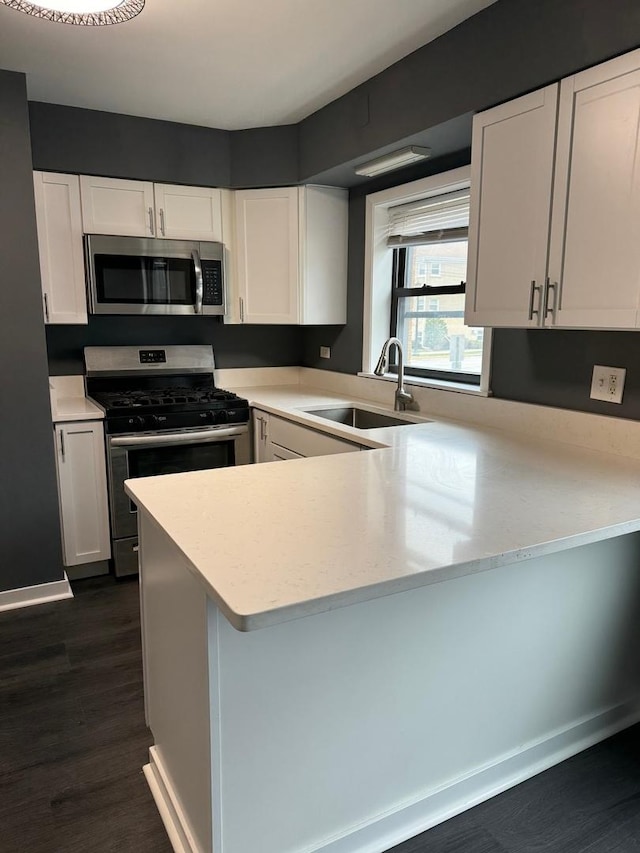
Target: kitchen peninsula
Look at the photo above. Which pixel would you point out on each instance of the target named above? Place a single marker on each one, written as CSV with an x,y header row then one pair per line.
x,y
345,650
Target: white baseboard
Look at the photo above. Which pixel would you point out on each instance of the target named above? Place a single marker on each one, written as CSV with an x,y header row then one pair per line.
x,y
393,828
42,593
173,817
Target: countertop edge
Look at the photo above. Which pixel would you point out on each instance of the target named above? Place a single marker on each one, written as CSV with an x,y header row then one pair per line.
x,y
247,622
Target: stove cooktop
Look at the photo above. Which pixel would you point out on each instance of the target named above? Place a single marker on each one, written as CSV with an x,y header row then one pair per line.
x,y
169,408
183,397
159,388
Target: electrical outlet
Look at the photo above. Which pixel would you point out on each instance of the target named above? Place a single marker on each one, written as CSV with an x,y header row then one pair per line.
x,y
325,352
607,383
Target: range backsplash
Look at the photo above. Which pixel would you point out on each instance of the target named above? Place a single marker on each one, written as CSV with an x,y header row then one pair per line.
x,y
234,346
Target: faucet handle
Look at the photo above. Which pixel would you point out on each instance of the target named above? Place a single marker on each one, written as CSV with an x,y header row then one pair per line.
x,y
405,400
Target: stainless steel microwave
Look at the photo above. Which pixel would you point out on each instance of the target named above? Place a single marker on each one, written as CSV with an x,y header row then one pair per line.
x,y
137,275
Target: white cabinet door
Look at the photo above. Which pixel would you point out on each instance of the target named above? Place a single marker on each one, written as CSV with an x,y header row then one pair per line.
x,y
324,228
595,252
261,445
59,223
82,486
188,213
114,206
267,255
511,183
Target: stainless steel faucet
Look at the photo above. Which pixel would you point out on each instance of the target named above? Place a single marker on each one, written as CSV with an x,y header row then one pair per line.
x,y
403,399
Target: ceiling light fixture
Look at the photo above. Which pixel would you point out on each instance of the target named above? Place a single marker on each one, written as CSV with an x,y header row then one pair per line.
x,y
395,160
84,13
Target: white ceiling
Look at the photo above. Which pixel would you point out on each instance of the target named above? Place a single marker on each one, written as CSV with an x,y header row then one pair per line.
x,y
223,63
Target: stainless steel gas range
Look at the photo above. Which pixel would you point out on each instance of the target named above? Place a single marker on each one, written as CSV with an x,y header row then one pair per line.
x,y
163,415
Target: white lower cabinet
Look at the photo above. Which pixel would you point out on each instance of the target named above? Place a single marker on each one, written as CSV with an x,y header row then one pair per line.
x,y
276,439
82,490
260,424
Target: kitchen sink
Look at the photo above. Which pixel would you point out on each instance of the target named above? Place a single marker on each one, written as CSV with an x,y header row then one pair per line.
x,y
359,418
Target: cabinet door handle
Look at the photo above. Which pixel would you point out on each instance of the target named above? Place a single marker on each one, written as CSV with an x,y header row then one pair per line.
x,y
532,297
151,229
62,444
46,308
162,229
241,310
550,285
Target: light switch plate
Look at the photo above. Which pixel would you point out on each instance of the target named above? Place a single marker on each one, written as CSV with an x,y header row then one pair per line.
x,y
325,352
607,383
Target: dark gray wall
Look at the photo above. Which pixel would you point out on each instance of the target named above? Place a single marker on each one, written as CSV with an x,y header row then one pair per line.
x,y
30,548
234,346
264,156
90,142
507,49
553,367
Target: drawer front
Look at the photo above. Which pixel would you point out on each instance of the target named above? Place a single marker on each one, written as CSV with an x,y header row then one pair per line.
x,y
307,442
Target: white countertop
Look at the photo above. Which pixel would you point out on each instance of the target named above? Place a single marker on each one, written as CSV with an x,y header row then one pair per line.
x,y
65,409
279,541
68,402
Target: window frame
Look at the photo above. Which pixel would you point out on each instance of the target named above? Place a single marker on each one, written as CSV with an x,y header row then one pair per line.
x,y
400,292
378,271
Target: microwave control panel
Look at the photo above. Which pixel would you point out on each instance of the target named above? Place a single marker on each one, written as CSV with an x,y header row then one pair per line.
x,y
212,279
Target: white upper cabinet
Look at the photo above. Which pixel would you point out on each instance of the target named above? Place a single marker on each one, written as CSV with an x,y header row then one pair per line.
x,y
594,264
267,255
142,209
118,207
570,259
59,224
188,213
511,181
291,255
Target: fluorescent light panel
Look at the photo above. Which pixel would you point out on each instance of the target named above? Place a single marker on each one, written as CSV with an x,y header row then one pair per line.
x,y
395,160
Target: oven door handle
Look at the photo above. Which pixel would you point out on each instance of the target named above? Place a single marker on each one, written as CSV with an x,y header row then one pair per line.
x,y
166,440
197,264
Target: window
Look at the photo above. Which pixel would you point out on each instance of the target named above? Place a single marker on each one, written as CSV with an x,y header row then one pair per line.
x,y
415,273
430,236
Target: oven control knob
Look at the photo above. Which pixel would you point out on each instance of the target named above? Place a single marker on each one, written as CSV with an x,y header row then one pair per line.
x,y
136,422
222,417
158,421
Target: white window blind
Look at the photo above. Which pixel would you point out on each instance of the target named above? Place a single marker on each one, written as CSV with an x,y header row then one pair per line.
x,y
437,219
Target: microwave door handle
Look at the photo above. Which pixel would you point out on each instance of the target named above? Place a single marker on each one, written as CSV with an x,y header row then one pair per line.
x,y
195,255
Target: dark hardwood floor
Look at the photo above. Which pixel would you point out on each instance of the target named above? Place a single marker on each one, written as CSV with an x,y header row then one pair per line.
x,y
72,733
73,742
